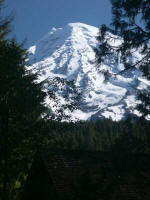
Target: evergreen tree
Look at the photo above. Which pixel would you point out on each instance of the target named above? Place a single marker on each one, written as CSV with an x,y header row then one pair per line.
x,y
4,23
131,22
21,107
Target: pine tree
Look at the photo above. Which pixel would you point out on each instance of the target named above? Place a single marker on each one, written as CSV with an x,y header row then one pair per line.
x,y
21,105
21,109
4,23
131,22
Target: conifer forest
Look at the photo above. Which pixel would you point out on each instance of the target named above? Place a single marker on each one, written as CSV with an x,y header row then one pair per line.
x,y
27,125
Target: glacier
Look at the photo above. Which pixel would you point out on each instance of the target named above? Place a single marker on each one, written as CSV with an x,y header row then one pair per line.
x,y
76,88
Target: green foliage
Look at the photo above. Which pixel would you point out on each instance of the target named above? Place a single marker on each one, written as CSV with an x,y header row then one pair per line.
x,y
102,135
4,23
21,107
23,131
131,22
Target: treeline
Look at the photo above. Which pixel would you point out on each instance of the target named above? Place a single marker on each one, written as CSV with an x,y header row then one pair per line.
x,y
122,137
25,128
101,135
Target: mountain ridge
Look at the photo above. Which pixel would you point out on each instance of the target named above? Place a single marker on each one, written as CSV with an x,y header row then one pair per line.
x,y
75,86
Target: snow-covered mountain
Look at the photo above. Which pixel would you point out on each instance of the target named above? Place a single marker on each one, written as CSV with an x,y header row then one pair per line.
x,y
75,86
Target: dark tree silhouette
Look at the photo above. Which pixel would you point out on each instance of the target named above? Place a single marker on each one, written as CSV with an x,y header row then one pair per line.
x,y
21,107
131,25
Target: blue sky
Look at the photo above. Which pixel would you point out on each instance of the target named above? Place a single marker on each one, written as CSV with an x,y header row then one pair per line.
x,y
34,18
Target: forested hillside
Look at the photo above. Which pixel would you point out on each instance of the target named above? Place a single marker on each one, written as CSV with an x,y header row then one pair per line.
x,y
102,135
25,122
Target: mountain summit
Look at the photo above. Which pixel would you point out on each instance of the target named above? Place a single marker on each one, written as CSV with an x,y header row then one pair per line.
x,y
76,88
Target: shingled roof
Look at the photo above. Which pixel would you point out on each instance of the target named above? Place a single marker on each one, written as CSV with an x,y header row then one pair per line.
x,y
96,175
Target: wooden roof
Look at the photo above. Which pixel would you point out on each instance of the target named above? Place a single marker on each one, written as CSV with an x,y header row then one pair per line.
x,y
81,174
